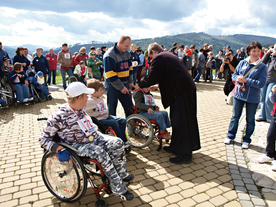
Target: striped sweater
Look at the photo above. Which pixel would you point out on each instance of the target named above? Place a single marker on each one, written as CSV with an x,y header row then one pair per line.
x,y
118,67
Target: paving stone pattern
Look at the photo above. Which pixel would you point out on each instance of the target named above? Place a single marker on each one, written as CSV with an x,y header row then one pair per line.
x,y
218,175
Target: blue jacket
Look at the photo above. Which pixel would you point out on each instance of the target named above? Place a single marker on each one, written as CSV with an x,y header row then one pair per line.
x,y
3,54
255,81
41,64
21,59
135,57
14,78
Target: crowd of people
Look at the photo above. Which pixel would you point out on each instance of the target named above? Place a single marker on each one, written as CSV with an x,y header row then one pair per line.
x,y
250,79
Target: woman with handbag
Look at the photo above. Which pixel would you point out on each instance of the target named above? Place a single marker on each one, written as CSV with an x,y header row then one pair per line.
x,y
249,77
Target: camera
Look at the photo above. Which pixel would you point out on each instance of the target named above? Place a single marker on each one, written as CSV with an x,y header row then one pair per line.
x,y
226,59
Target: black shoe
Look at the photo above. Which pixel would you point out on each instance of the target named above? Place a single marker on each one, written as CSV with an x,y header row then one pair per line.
x,y
167,149
129,178
180,160
127,196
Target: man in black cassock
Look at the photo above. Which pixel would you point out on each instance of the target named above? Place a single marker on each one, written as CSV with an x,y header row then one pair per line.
x,y
179,92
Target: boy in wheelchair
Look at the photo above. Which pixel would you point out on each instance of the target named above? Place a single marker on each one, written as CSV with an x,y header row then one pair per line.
x,y
96,107
145,105
75,127
81,72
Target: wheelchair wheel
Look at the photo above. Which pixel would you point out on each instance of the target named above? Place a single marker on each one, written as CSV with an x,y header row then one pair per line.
x,y
101,202
72,79
67,183
9,89
139,130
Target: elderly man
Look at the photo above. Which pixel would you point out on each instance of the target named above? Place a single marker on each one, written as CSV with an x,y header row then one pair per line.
x,y
119,76
40,63
52,60
179,92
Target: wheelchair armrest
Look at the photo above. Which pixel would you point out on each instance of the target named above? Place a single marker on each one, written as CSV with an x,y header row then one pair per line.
x,y
68,146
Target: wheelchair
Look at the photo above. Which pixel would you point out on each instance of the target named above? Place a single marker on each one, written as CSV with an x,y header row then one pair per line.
x,y
68,182
141,131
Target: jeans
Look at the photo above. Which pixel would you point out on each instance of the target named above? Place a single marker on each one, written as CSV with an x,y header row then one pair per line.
x,y
118,124
250,119
271,138
199,71
44,91
161,117
22,92
266,104
69,72
113,95
54,77
135,71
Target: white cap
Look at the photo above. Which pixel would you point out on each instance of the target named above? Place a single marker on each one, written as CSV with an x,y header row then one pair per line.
x,y
77,88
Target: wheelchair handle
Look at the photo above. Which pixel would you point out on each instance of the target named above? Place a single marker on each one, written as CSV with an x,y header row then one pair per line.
x,y
42,118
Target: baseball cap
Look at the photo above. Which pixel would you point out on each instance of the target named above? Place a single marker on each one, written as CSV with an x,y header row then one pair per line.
x,y
40,73
5,59
77,88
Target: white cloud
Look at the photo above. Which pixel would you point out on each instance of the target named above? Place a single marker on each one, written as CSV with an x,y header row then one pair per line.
x,y
216,17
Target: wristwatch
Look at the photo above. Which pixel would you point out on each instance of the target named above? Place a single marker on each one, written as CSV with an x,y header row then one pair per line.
x,y
62,149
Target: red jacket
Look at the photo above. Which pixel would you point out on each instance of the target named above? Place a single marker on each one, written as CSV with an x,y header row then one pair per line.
x,y
73,61
80,57
52,61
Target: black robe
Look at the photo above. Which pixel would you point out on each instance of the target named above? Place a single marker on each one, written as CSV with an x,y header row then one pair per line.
x,y
178,91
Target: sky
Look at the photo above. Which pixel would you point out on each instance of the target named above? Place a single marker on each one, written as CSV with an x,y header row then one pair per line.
x,y
50,23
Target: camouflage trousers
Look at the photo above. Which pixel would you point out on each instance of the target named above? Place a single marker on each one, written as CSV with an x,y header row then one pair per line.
x,y
109,152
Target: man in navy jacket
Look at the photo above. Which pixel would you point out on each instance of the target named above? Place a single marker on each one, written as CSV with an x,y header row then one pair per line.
x,y
41,63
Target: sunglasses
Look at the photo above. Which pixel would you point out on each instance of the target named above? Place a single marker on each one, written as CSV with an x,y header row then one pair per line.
x,y
93,54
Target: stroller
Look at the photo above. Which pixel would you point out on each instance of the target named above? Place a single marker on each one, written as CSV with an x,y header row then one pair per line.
x,y
35,92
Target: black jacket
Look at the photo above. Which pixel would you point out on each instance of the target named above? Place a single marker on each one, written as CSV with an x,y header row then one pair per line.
x,y
171,74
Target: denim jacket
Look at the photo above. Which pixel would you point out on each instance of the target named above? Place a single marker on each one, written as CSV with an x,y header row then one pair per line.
x,y
255,81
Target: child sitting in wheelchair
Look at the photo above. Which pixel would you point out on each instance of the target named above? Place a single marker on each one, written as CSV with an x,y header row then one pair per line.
x,y
38,82
75,127
96,107
19,80
81,72
146,106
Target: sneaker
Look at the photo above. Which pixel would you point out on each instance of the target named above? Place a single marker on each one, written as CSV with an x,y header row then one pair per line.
x,y
245,145
25,100
227,141
264,158
129,178
273,167
127,196
31,99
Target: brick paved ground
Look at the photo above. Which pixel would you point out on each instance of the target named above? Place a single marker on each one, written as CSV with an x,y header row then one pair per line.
x,y
207,181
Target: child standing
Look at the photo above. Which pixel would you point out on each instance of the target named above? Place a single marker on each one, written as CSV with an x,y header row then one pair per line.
x,y
271,135
210,66
82,72
96,107
38,82
19,80
146,107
